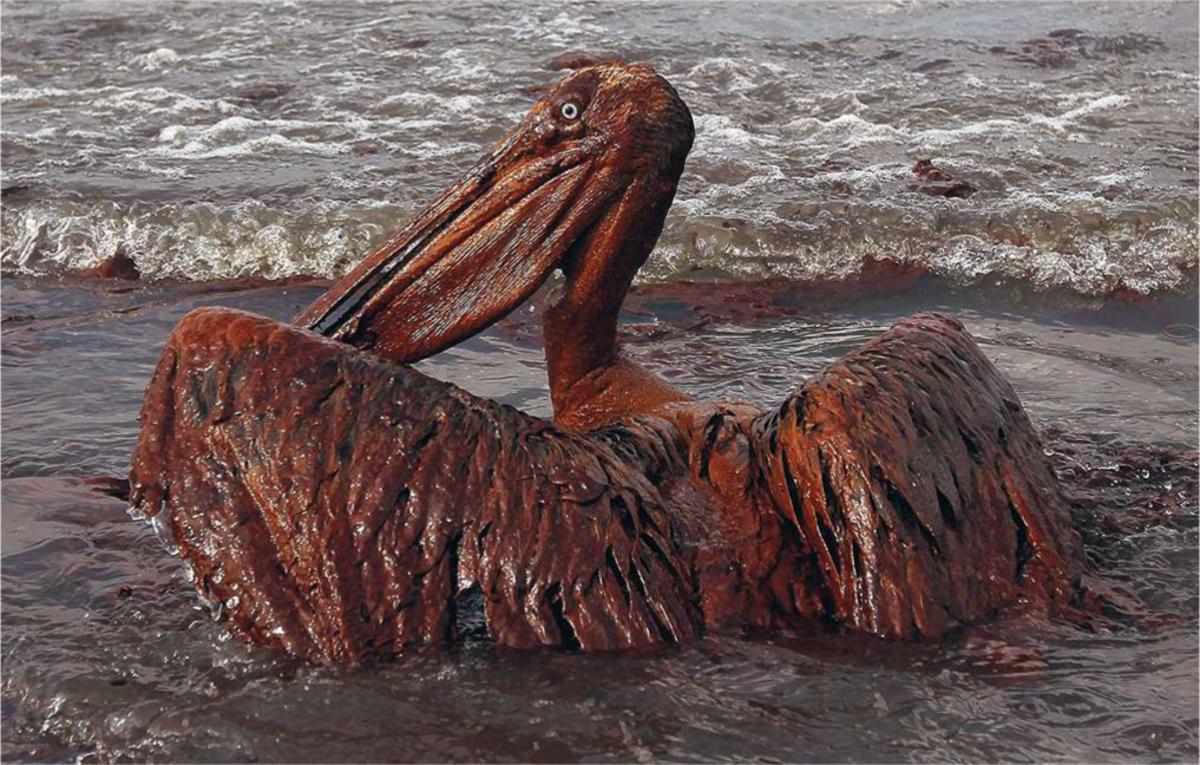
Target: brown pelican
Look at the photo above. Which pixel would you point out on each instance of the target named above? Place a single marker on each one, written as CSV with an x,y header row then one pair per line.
x,y
341,504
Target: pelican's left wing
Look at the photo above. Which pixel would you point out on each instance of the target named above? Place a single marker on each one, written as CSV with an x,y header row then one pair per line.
x,y
340,506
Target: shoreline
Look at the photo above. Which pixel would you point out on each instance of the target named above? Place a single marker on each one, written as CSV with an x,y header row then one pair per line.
x,y
713,298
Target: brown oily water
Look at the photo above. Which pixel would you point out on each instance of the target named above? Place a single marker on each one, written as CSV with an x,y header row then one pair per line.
x,y
1039,159
106,651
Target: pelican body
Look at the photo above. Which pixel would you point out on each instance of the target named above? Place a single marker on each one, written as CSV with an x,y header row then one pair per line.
x,y
342,505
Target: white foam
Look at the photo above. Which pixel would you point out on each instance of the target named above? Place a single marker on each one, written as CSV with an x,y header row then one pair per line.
x,y
717,134
416,123
230,126
430,149
846,131
826,240
411,98
458,65
36,94
1119,178
971,132
733,74
174,134
155,100
1062,121
252,147
463,104
235,136
158,58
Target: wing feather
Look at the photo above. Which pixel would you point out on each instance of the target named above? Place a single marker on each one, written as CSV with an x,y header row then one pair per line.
x,y
911,472
338,504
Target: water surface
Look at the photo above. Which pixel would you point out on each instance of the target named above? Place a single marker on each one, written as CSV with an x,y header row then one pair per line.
x,y
283,138
249,141
109,654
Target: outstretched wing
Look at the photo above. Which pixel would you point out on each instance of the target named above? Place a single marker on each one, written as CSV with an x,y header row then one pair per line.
x,y
339,506
913,476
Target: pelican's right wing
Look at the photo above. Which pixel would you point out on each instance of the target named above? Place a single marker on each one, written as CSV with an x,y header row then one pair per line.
x,y
339,506
917,484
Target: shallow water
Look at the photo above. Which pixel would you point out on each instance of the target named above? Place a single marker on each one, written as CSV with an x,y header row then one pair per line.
x,y
273,139
230,140
108,653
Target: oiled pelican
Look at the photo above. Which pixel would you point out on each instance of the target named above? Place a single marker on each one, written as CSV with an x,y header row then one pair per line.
x,y
339,503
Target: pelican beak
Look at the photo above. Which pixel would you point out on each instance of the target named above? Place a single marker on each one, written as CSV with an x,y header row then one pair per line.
x,y
475,254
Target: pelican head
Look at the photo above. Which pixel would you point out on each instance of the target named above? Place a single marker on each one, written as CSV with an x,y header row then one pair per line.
x,y
582,184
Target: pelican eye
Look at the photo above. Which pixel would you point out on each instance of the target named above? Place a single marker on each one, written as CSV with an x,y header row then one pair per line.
x,y
569,110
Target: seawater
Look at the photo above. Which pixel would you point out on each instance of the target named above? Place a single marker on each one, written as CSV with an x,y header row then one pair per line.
x,y
224,140
109,654
239,141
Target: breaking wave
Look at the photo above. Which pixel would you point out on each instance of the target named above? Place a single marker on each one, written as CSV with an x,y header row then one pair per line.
x,y
1091,251
291,142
